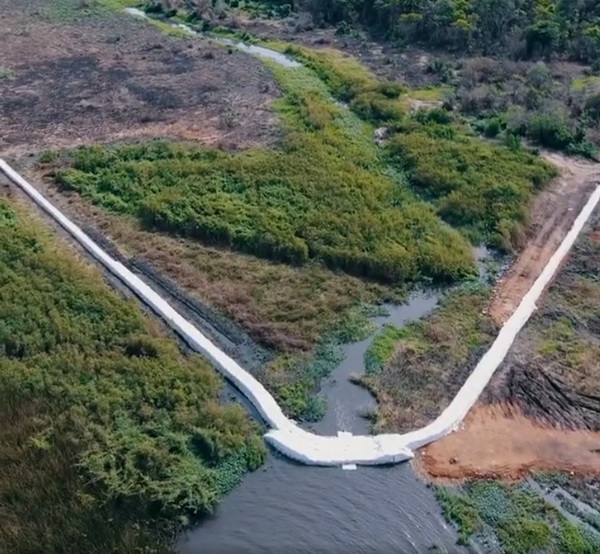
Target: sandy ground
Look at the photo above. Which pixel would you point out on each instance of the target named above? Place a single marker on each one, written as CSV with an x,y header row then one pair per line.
x,y
113,77
554,211
494,444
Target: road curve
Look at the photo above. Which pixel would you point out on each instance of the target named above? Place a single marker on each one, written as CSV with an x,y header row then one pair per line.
x,y
285,435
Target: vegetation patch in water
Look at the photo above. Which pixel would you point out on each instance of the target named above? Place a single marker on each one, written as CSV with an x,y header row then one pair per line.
x,y
520,520
296,379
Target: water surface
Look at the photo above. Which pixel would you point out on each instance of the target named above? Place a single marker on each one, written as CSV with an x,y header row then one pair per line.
x,y
295,509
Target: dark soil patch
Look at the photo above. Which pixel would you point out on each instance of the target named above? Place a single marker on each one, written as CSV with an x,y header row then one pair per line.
x,y
71,85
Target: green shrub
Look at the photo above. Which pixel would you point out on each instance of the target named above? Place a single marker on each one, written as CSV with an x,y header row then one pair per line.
x,y
592,107
461,511
382,348
126,397
571,540
492,127
522,536
474,186
549,130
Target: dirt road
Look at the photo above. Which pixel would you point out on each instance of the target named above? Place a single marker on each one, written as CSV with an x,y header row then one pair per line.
x,y
553,213
498,438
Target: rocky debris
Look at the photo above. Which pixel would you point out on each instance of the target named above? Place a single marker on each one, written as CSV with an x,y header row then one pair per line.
x,y
380,135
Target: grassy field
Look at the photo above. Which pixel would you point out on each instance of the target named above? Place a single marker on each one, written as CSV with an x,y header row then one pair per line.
x,y
105,424
328,193
516,518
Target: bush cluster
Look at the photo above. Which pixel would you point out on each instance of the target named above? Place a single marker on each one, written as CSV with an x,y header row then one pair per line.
x,y
143,422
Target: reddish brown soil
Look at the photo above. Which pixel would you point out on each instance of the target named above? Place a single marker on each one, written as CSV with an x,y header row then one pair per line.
x,y
542,409
493,443
553,213
113,77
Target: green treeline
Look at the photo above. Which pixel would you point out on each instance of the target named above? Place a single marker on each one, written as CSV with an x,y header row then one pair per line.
x,y
104,424
328,193
519,28
522,28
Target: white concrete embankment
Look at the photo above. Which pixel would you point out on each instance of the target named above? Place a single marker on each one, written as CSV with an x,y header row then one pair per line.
x,y
285,435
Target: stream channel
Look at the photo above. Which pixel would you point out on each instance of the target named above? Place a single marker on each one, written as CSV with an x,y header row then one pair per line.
x,y
295,509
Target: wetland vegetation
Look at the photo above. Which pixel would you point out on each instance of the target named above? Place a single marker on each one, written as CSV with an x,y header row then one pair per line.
x,y
297,242
327,195
515,517
105,423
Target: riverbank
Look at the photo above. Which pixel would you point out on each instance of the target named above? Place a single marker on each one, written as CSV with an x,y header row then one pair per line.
x,y
542,403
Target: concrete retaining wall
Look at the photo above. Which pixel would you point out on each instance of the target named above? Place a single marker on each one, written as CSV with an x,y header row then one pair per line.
x,y
285,435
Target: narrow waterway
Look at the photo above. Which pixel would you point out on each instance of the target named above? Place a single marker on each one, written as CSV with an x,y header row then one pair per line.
x,y
297,509
285,507
347,403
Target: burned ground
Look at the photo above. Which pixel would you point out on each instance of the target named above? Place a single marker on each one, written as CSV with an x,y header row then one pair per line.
x,y
112,77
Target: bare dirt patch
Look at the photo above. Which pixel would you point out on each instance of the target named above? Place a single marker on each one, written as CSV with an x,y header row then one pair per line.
x,y
113,77
541,410
553,213
493,444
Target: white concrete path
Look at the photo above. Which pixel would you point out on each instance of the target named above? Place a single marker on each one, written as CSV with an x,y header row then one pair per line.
x,y
285,435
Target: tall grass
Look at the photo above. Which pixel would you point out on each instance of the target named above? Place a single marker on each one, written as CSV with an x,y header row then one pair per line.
x,y
321,197
100,410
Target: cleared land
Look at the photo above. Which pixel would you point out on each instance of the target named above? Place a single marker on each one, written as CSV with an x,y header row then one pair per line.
x,y
553,213
72,78
543,402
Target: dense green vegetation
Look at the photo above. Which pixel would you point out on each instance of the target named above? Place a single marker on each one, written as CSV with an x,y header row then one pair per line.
x,y
328,193
105,424
414,371
522,521
519,28
522,28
